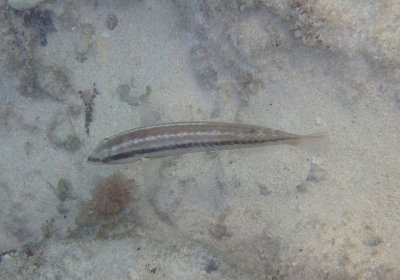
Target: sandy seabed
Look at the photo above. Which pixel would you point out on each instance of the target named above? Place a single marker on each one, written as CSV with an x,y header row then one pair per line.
x,y
75,72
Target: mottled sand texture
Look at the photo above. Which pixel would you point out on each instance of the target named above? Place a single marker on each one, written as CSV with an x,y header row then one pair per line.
x,y
75,72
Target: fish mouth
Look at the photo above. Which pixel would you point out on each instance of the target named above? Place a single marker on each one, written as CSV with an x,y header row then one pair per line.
x,y
94,160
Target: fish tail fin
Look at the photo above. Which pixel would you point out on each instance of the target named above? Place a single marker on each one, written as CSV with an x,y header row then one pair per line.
x,y
316,142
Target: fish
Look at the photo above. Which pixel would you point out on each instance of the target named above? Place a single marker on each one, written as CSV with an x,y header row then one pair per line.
x,y
168,139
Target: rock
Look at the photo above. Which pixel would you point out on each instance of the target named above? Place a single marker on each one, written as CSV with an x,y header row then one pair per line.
x,y
316,174
24,4
123,91
264,189
54,81
111,21
64,189
62,134
84,41
41,21
132,95
302,188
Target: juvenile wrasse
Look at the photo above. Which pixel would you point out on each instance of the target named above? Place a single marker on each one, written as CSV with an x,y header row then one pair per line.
x,y
189,137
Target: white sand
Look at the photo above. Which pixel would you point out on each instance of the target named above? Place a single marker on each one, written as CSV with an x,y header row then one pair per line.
x,y
245,214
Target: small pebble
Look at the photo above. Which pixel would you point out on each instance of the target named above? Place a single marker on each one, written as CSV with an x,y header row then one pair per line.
x,y
316,174
372,240
111,21
316,160
64,189
123,92
62,134
84,41
54,81
211,266
302,188
264,190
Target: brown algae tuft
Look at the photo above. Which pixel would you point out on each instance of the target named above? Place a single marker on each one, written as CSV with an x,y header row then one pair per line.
x,y
109,199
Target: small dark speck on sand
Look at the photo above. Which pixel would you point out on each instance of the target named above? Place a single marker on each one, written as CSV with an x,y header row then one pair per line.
x,y
211,266
372,240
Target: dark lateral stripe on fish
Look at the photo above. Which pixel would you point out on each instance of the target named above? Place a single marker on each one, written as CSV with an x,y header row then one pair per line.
x,y
186,146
